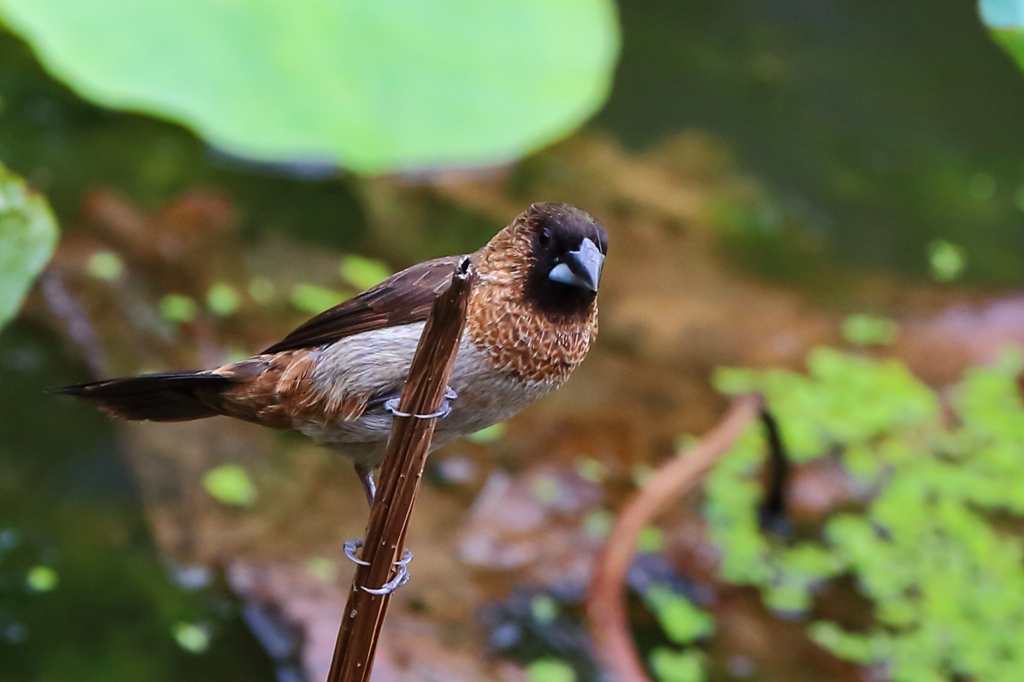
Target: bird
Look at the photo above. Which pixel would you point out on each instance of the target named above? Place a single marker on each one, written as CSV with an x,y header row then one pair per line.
x,y
531,320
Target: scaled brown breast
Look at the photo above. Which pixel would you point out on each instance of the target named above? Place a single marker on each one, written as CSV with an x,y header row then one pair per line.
x,y
520,340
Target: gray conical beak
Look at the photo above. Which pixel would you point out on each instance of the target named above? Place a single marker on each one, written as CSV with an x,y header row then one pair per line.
x,y
580,268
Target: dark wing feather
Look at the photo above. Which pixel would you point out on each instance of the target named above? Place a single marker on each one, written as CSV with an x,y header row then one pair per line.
x,y
403,298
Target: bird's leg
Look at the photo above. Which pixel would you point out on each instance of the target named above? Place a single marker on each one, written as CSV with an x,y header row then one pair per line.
x,y
365,474
391,405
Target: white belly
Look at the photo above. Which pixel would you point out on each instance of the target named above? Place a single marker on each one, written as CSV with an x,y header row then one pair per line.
x,y
377,362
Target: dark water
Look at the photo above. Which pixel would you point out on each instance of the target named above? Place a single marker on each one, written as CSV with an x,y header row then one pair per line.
x,y
68,503
877,126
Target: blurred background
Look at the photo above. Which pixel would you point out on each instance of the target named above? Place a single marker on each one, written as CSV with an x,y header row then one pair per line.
x,y
827,192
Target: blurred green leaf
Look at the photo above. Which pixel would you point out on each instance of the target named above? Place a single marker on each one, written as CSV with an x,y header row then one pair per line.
x,y
550,670
322,568
650,540
363,273
679,618
598,524
222,299
28,235
545,488
869,330
262,290
178,308
677,666
230,484
374,86
491,434
312,299
41,579
544,609
946,260
192,637
591,470
105,265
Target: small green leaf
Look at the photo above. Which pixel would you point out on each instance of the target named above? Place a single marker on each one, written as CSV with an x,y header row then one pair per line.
x,y
679,618
544,609
363,273
869,330
41,579
947,260
642,472
312,299
105,265
178,308
545,488
192,637
650,540
322,569
598,524
230,484
491,434
222,300
28,235
262,290
550,670
678,666
591,470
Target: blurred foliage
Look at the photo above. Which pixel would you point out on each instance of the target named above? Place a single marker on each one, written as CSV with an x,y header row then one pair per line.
x,y
491,434
683,624
222,299
178,308
937,546
1005,20
681,621
362,272
870,330
230,484
372,86
313,299
28,235
550,670
945,260
677,666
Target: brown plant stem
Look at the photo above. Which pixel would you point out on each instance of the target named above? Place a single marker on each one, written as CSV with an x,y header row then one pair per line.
x,y
605,604
400,477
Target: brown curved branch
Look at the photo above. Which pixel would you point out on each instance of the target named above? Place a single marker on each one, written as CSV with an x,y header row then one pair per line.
x,y
606,599
400,477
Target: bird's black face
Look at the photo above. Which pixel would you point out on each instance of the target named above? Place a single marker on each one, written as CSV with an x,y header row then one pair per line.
x,y
568,252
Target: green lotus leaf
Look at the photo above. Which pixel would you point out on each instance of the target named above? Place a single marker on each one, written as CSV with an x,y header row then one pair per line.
x,y
373,86
28,235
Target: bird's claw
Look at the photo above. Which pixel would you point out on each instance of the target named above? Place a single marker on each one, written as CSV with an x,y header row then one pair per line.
x,y
401,578
401,574
391,405
350,548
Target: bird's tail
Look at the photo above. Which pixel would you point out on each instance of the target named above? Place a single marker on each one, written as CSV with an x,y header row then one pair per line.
x,y
167,397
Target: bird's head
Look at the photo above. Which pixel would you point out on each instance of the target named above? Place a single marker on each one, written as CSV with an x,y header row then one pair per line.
x,y
553,255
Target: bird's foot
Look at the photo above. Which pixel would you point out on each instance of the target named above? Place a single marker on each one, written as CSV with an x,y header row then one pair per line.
x,y
391,405
401,573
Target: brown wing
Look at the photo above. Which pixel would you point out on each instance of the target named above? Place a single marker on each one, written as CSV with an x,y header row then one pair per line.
x,y
403,298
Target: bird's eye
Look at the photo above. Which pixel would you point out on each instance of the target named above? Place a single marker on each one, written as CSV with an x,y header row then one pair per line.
x,y
544,238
